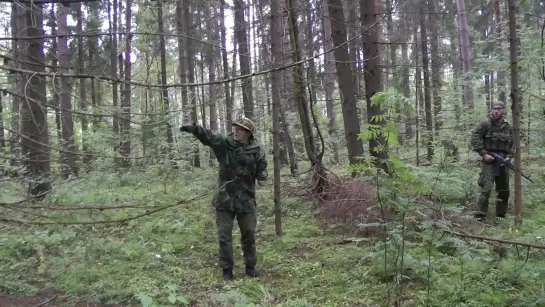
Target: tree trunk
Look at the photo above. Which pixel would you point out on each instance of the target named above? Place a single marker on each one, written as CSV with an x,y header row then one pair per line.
x,y
164,91
378,146
211,59
329,80
114,71
435,66
190,58
225,62
125,123
500,74
244,58
345,81
2,135
277,58
93,44
419,95
34,129
406,82
54,57
68,153
82,89
300,95
516,100
464,48
425,68
17,23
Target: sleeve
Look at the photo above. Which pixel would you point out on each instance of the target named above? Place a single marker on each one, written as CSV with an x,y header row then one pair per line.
x,y
206,136
476,138
261,171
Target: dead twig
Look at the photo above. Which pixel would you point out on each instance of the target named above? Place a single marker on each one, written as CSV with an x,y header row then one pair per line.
x,y
46,301
483,238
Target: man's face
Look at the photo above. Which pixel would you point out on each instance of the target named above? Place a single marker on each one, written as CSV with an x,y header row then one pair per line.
x,y
497,112
241,135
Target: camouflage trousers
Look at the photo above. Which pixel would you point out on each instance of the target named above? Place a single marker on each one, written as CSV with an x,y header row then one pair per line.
x,y
486,181
247,224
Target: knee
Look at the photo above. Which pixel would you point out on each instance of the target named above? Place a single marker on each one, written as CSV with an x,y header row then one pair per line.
x,y
503,194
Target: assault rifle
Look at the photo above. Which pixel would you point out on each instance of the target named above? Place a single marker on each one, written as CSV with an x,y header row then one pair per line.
x,y
501,161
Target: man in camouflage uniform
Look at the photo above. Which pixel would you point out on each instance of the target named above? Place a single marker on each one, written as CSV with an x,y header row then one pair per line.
x,y
241,162
493,134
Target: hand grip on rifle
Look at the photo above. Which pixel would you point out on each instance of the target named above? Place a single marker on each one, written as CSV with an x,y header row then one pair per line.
x,y
501,161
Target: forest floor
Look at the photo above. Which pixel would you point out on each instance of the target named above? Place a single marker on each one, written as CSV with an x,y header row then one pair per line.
x,y
168,258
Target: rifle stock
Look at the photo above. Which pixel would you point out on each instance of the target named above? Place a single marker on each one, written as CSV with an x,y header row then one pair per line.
x,y
501,161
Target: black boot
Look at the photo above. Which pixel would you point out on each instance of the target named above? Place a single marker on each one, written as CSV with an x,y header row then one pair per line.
x,y
227,274
250,271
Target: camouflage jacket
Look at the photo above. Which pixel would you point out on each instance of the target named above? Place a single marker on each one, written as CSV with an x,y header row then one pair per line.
x,y
240,165
490,135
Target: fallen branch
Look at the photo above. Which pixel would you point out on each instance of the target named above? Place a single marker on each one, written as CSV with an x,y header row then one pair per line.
x,y
148,212
46,302
467,235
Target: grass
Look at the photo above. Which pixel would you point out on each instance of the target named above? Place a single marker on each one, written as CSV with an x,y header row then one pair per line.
x,y
171,255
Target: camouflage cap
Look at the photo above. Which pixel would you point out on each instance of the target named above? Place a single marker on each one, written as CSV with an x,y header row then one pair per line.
x,y
498,104
245,123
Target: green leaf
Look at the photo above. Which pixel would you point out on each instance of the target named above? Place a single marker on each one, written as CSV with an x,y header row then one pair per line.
x,y
146,300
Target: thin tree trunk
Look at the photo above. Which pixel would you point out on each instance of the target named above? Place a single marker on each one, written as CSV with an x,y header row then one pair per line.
x,y
406,83
164,91
419,95
500,75
68,153
82,89
125,124
2,135
516,100
54,56
329,80
211,59
191,77
300,93
435,66
17,23
244,58
277,58
225,62
114,68
464,48
427,89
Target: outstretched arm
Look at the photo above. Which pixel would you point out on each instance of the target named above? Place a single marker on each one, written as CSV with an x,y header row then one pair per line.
x,y
261,171
205,136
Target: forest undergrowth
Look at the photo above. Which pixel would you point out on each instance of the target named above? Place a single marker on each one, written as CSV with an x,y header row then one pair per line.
x,y
368,242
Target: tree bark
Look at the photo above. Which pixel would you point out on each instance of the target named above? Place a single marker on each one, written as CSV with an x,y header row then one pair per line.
x,y
515,107
345,81
164,97
34,128
427,95
464,48
378,146
329,85
277,58
125,124
68,153
244,58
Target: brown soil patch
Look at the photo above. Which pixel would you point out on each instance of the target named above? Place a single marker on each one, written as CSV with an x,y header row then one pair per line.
x,y
47,299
